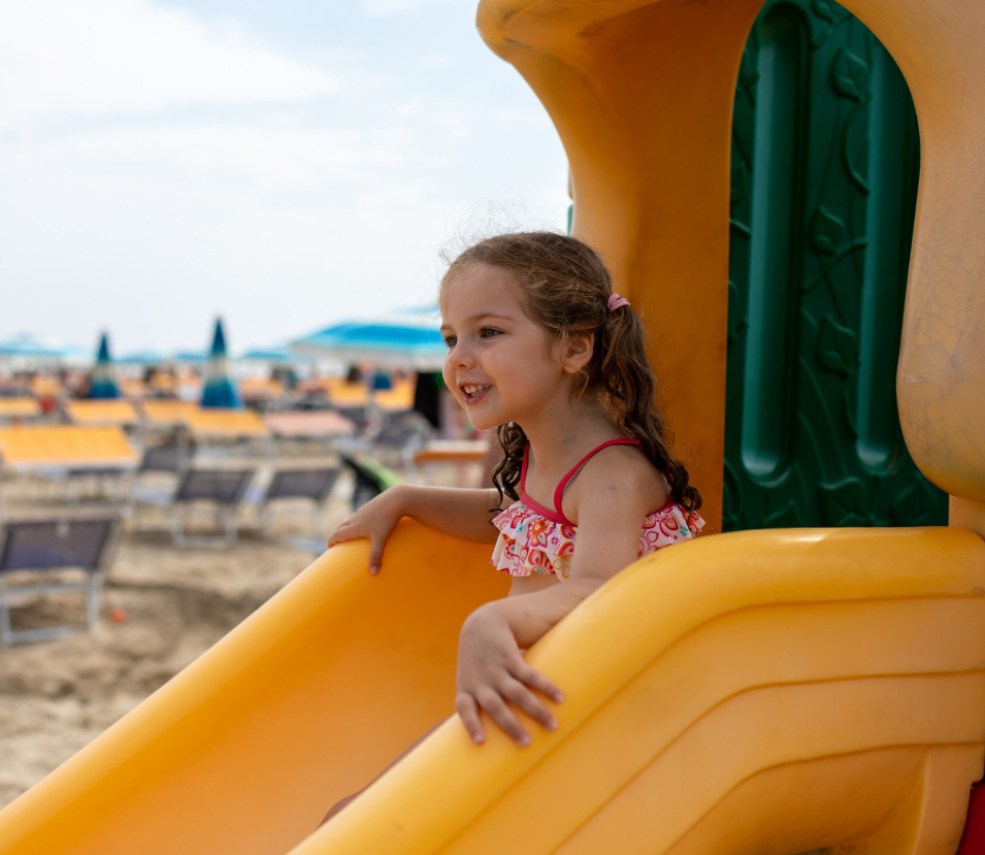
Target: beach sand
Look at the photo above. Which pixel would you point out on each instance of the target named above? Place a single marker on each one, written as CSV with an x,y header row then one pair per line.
x,y
162,607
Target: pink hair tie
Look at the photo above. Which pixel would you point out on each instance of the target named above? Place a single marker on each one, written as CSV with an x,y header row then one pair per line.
x,y
616,302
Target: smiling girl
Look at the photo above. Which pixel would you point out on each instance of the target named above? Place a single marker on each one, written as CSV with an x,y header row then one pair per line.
x,y
540,348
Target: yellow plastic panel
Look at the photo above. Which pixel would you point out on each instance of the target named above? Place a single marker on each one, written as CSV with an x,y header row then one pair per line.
x,y
718,693
307,700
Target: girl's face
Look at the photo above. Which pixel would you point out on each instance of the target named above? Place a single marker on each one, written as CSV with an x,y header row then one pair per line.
x,y
501,366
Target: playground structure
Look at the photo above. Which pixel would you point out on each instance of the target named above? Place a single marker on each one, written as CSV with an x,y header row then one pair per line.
x,y
770,692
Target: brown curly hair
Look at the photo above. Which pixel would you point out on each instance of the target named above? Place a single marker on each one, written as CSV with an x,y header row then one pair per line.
x,y
567,288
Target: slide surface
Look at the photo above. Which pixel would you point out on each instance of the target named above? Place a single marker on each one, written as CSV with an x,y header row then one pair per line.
x,y
762,691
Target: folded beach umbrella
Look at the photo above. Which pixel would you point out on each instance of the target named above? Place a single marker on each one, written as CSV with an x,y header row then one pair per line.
x,y
408,339
219,390
103,383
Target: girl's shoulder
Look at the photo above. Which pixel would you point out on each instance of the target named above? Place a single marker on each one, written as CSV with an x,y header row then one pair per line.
x,y
619,474
624,457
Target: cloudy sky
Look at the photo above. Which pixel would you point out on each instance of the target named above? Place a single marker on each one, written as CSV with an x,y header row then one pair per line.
x,y
283,164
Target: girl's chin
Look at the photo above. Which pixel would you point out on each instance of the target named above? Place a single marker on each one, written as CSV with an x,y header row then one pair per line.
x,y
483,424
480,421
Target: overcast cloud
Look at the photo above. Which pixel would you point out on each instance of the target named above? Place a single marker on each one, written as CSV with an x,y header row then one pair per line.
x,y
281,164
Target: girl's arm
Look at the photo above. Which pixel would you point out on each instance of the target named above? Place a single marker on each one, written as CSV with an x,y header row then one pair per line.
x,y
464,513
492,673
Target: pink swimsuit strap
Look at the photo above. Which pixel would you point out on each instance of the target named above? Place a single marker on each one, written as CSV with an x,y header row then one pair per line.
x,y
563,483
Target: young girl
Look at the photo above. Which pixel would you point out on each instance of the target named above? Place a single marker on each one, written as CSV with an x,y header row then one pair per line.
x,y
540,348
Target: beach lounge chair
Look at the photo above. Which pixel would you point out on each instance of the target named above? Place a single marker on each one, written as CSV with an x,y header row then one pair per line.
x,y
223,432
63,453
102,412
19,409
313,484
59,448
166,457
222,489
44,556
370,478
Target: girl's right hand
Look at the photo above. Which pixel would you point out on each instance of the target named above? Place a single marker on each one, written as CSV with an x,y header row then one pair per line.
x,y
374,521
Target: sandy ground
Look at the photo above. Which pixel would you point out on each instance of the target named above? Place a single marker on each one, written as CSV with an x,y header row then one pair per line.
x,y
162,607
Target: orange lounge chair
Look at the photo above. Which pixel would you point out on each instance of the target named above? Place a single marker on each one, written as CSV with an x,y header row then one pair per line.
x,y
17,409
116,412
41,448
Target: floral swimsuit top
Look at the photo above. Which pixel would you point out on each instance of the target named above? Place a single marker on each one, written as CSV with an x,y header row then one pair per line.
x,y
536,539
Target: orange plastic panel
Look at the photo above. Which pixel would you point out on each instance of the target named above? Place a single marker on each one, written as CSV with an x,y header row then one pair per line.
x,y
641,93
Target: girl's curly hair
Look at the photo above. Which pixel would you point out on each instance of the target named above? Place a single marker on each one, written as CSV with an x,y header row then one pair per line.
x,y
567,289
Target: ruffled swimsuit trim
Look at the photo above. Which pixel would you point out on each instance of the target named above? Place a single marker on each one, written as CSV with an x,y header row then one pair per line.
x,y
536,539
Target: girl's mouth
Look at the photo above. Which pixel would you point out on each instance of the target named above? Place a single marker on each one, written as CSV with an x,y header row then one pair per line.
x,y
473,391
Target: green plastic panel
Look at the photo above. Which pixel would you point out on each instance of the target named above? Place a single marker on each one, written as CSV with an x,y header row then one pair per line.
x,y
825,156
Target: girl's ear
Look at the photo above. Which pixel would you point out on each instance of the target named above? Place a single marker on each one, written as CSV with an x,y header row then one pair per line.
x,y
576,351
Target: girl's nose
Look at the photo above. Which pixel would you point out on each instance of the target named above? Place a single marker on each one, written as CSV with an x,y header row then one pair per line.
x,y
460,355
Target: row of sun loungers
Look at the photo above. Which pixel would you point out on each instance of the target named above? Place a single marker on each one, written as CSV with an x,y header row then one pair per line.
x,y
200,499
67,551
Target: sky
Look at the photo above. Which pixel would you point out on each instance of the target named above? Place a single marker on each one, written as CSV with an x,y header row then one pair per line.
x,y
281,164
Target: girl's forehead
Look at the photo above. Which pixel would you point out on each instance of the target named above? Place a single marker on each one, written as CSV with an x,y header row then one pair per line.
x,y
476,286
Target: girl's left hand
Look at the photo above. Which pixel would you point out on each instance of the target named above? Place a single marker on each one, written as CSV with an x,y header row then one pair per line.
x,y
493,676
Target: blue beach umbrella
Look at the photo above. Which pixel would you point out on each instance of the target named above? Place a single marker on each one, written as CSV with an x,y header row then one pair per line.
x,y
220,390
30,350
408,339
143,358
272,355
103,384
190,357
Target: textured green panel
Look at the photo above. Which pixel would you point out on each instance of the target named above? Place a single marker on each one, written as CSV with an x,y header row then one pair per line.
x,y
824,169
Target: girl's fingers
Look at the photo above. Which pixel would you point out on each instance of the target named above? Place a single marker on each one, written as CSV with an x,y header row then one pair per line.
x,y
468,712
523,699
375,556
342,533
535,680
349,531
504,718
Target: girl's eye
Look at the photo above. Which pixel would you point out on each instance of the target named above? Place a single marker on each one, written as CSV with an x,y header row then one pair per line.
x,y
450,341
488,332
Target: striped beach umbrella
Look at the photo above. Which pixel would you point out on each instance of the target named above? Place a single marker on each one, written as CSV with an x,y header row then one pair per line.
x,y
219,390
103,384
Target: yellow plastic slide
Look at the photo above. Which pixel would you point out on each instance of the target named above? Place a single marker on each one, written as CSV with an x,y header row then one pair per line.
x,y
768,692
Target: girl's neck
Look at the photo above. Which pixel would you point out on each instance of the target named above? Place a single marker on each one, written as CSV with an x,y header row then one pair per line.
x,y
556,443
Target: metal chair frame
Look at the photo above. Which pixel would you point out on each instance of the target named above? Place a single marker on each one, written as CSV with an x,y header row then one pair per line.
x,y
39,547
224,488
309,483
